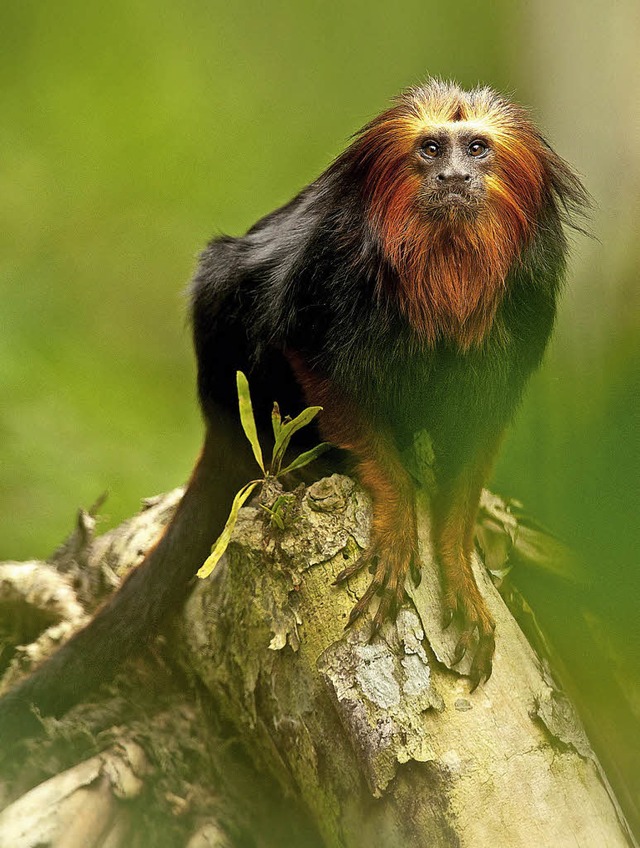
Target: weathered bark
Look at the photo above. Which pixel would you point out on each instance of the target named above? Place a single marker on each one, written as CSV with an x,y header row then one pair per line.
x,y
303,734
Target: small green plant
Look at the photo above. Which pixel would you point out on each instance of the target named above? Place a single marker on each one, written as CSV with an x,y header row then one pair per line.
x,y
281,509
283,430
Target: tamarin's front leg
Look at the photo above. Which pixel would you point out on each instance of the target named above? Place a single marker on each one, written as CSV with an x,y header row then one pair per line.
x,y
455,508
394,543
393,547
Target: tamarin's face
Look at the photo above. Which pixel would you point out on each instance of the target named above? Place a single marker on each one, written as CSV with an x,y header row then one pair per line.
x,y
471,160
454,185
453,160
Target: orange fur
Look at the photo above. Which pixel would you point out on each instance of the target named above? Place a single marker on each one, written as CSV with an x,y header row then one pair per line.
x,y
380,470
455,508
451,271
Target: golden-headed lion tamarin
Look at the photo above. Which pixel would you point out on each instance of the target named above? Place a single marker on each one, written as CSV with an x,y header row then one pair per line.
x,y
412,286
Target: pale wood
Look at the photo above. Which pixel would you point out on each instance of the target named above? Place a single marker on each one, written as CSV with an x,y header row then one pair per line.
x,y
381,741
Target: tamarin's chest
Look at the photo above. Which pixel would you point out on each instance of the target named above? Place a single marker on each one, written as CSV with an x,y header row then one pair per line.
x,y
444,386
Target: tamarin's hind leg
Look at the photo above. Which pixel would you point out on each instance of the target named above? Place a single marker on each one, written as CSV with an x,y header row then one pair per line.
x,y
455,508
393,548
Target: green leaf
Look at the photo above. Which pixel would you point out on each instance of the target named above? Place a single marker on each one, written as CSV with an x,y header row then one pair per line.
x,y
286,432
306,457
274,514
276,420
246,416
222,542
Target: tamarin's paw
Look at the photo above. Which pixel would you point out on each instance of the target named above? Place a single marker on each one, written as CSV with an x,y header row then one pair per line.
x,y
466,603
390,570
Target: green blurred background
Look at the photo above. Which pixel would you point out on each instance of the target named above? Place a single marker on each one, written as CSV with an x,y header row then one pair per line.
x,y
133,131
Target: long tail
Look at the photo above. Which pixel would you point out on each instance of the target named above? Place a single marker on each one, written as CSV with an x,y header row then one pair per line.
x,y
130,617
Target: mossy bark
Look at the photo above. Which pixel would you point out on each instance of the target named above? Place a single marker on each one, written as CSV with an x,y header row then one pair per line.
x,y
305,734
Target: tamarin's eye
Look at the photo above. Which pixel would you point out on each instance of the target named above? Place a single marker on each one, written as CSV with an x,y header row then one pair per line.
x,y
430,148
477,148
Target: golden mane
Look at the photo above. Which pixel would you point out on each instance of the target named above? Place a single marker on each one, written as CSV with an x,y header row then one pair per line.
x,y
451,271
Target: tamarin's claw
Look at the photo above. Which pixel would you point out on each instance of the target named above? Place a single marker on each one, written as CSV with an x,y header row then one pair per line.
x,y
416,572
447,618
461,650
368,557
362,604
390,572
467,603
482,666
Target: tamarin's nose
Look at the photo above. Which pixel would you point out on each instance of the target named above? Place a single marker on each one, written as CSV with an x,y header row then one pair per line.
x,y
452,176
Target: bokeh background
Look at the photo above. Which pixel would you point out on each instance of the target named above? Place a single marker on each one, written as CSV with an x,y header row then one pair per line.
x,y
130,132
